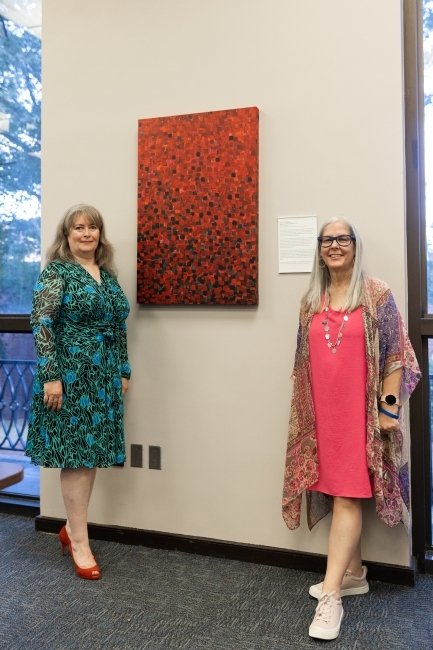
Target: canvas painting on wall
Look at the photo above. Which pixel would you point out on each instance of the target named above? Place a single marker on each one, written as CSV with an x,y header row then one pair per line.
x,y
198,209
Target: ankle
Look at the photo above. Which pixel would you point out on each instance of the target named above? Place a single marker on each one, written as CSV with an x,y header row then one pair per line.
x,y
78,537
81,545
357,572
335,591
79,542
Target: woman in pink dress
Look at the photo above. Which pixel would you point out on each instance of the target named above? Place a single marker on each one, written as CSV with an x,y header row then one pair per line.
x,y
354,367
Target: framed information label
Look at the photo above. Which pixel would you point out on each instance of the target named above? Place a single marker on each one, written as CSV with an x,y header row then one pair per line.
x,y
297,241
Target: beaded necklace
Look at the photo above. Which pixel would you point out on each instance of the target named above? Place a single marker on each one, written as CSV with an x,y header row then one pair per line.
x,y
325,324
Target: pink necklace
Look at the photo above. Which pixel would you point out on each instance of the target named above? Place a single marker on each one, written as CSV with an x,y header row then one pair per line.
x,y
325,324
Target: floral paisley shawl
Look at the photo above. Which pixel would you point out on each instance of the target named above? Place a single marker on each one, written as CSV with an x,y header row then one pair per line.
x,y
388,348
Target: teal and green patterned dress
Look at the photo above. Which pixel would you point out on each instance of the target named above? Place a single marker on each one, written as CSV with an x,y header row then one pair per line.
x,y
80,333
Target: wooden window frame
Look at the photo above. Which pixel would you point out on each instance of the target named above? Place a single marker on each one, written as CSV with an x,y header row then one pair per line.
x,y
15,323
420,323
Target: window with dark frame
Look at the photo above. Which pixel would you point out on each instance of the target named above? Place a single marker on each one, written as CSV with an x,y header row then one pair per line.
x,y
418,27
20,201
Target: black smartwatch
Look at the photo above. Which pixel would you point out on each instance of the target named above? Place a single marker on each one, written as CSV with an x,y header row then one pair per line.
x,y
391,400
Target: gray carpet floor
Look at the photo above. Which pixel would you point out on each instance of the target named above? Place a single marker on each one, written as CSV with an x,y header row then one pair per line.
x,y
161,600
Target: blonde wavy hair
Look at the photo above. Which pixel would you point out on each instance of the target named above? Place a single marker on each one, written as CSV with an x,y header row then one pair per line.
x,y
59,250
320,278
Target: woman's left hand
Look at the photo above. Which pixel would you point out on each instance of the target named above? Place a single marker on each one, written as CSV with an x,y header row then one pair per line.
x,y
391,386
125,385
387,424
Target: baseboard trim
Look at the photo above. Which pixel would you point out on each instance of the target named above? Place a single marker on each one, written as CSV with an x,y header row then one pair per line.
x,y
267,555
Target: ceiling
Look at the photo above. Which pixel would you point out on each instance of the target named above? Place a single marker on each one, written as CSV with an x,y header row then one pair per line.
x,y
26,13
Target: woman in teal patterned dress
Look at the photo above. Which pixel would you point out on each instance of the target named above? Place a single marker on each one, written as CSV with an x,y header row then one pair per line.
x,y
78,320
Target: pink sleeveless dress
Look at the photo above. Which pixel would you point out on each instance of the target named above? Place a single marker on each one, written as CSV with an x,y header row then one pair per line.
x,y
339,395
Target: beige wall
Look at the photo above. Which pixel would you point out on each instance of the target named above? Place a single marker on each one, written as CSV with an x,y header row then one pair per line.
x,y
211,385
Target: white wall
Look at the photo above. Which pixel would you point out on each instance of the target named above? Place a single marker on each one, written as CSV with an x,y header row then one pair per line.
x,y
211,385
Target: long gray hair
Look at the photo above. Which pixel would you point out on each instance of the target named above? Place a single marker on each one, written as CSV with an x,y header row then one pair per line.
x,y
59,250
320,278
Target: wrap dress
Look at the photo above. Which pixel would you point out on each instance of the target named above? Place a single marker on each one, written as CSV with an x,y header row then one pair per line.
x,y
80,335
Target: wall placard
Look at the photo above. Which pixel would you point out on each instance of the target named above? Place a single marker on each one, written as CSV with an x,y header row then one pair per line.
x,y
297,242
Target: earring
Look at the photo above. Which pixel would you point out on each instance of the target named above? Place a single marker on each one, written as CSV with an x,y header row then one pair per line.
x,y
353,261
322,266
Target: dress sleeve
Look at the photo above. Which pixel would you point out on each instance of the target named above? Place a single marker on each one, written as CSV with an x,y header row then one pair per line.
x,y
47,300
126,368
395,348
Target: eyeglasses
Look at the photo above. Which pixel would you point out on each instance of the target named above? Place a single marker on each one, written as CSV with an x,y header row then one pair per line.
x,y
342,240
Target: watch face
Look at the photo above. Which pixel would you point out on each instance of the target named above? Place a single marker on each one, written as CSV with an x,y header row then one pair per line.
x,y
390,399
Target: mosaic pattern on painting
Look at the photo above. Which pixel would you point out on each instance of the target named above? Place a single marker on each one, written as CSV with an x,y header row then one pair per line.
x,y
80,334
198,209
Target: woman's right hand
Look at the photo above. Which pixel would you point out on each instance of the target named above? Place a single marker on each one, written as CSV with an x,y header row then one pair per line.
x,y
53,392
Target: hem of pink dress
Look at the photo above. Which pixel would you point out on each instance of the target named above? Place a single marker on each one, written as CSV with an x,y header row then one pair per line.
x,y
313,488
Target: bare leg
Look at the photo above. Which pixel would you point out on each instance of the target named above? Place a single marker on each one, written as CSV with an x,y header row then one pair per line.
x,y
77,485
344,539
355,565
92,483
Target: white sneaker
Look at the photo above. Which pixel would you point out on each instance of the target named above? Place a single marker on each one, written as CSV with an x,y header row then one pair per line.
x,y
350,586
327,619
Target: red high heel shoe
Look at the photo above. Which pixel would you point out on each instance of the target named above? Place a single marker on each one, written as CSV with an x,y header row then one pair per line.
x,y
64,539
93,573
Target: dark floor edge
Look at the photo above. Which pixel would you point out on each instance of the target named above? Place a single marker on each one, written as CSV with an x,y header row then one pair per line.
x,y
19,506
429,563
267,555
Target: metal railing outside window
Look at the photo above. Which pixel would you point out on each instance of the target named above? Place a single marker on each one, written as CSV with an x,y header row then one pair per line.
x,y
16,385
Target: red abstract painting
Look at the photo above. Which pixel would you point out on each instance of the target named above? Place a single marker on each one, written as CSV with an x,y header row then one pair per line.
x,y
198,209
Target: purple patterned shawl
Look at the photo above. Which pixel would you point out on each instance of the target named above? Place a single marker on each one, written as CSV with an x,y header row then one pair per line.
x,y
388,348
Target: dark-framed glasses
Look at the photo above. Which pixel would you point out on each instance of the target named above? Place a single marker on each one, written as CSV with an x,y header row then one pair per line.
x,y
342,240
